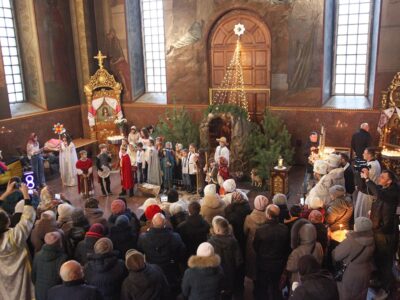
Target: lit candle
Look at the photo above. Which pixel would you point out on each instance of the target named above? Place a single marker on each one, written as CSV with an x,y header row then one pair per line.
x,y
341,226
280,163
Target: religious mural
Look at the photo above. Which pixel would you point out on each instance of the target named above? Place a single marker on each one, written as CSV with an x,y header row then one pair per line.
x,y
112,41
57,52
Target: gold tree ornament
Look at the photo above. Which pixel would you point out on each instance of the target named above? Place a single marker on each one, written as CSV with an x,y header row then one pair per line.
x,y
231,89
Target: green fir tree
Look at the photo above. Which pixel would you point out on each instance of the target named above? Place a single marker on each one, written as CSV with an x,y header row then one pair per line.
x,y
177,126
267,142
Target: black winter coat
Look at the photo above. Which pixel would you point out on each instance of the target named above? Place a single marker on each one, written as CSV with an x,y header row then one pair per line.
x,y
76,290
227,247
124,237
236,214
283,213
271,244
164,248
147,284
106,272
85,248
322,235
359,141
46,268
383,209
349,180
193,232
177,219
316,286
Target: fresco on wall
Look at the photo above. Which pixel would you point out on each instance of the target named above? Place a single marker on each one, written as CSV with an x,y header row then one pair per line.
x,y
297,51
112,41
57,52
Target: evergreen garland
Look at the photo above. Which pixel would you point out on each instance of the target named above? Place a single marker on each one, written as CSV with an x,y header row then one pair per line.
x,y
226,108
267,142
177,126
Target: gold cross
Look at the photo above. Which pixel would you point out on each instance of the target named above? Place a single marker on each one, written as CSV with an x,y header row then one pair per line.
x,y
100,57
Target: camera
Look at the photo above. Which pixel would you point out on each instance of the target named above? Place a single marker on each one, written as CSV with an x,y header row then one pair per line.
x,y
360,164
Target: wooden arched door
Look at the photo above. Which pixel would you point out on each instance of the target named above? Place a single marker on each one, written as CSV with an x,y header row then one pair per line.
x,y
256,56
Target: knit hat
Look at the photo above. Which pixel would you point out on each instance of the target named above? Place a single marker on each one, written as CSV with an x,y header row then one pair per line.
x,y
210,190
320,167
118,207
65,210
333,161
237,197
96,230
337,191
19,207
175,208
103,245
134,260
229,185
279,199
151,211
261,202
53,238
205,250
315,203
48,214
315,217
122,220
362,224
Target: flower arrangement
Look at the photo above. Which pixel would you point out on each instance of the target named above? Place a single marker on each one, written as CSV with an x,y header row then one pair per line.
x,y
120,122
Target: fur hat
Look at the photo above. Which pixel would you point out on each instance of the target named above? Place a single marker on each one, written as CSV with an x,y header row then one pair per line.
x,y
118,207
134,260
151,211
210,190
122,220
261,202
333,161
175,208
53,238
229,185
103,245
320,167
205,249
19,207
65,211
315,217
337,191
315,203
279,199
362,224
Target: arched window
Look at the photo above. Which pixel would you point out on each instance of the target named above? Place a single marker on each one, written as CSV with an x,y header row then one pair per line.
x,y
154,45
10,53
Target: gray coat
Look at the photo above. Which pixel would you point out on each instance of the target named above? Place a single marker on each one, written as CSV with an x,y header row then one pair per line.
x,y
356,278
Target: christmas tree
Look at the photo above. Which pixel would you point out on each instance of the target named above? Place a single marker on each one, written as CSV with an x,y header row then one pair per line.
x,y
267,142
177,126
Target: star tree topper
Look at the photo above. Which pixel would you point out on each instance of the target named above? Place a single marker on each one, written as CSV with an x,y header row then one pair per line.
x,y
239,29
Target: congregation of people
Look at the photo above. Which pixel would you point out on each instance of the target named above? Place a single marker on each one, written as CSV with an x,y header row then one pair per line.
x,y
335,245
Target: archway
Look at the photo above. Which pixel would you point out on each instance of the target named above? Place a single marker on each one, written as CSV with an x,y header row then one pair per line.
x,y
256,56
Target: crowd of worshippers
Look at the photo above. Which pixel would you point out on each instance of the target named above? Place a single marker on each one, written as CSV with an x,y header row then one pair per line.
x,y
198,249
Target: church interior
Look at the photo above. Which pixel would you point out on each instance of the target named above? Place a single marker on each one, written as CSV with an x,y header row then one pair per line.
x,y
152,109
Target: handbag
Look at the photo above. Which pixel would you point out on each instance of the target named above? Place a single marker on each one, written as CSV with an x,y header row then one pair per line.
x,y
342,268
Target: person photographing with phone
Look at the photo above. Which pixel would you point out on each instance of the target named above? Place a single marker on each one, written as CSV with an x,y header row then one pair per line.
x,y
384,223
34,153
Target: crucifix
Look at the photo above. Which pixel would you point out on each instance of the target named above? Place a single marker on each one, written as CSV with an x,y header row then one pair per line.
x,y
100,57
